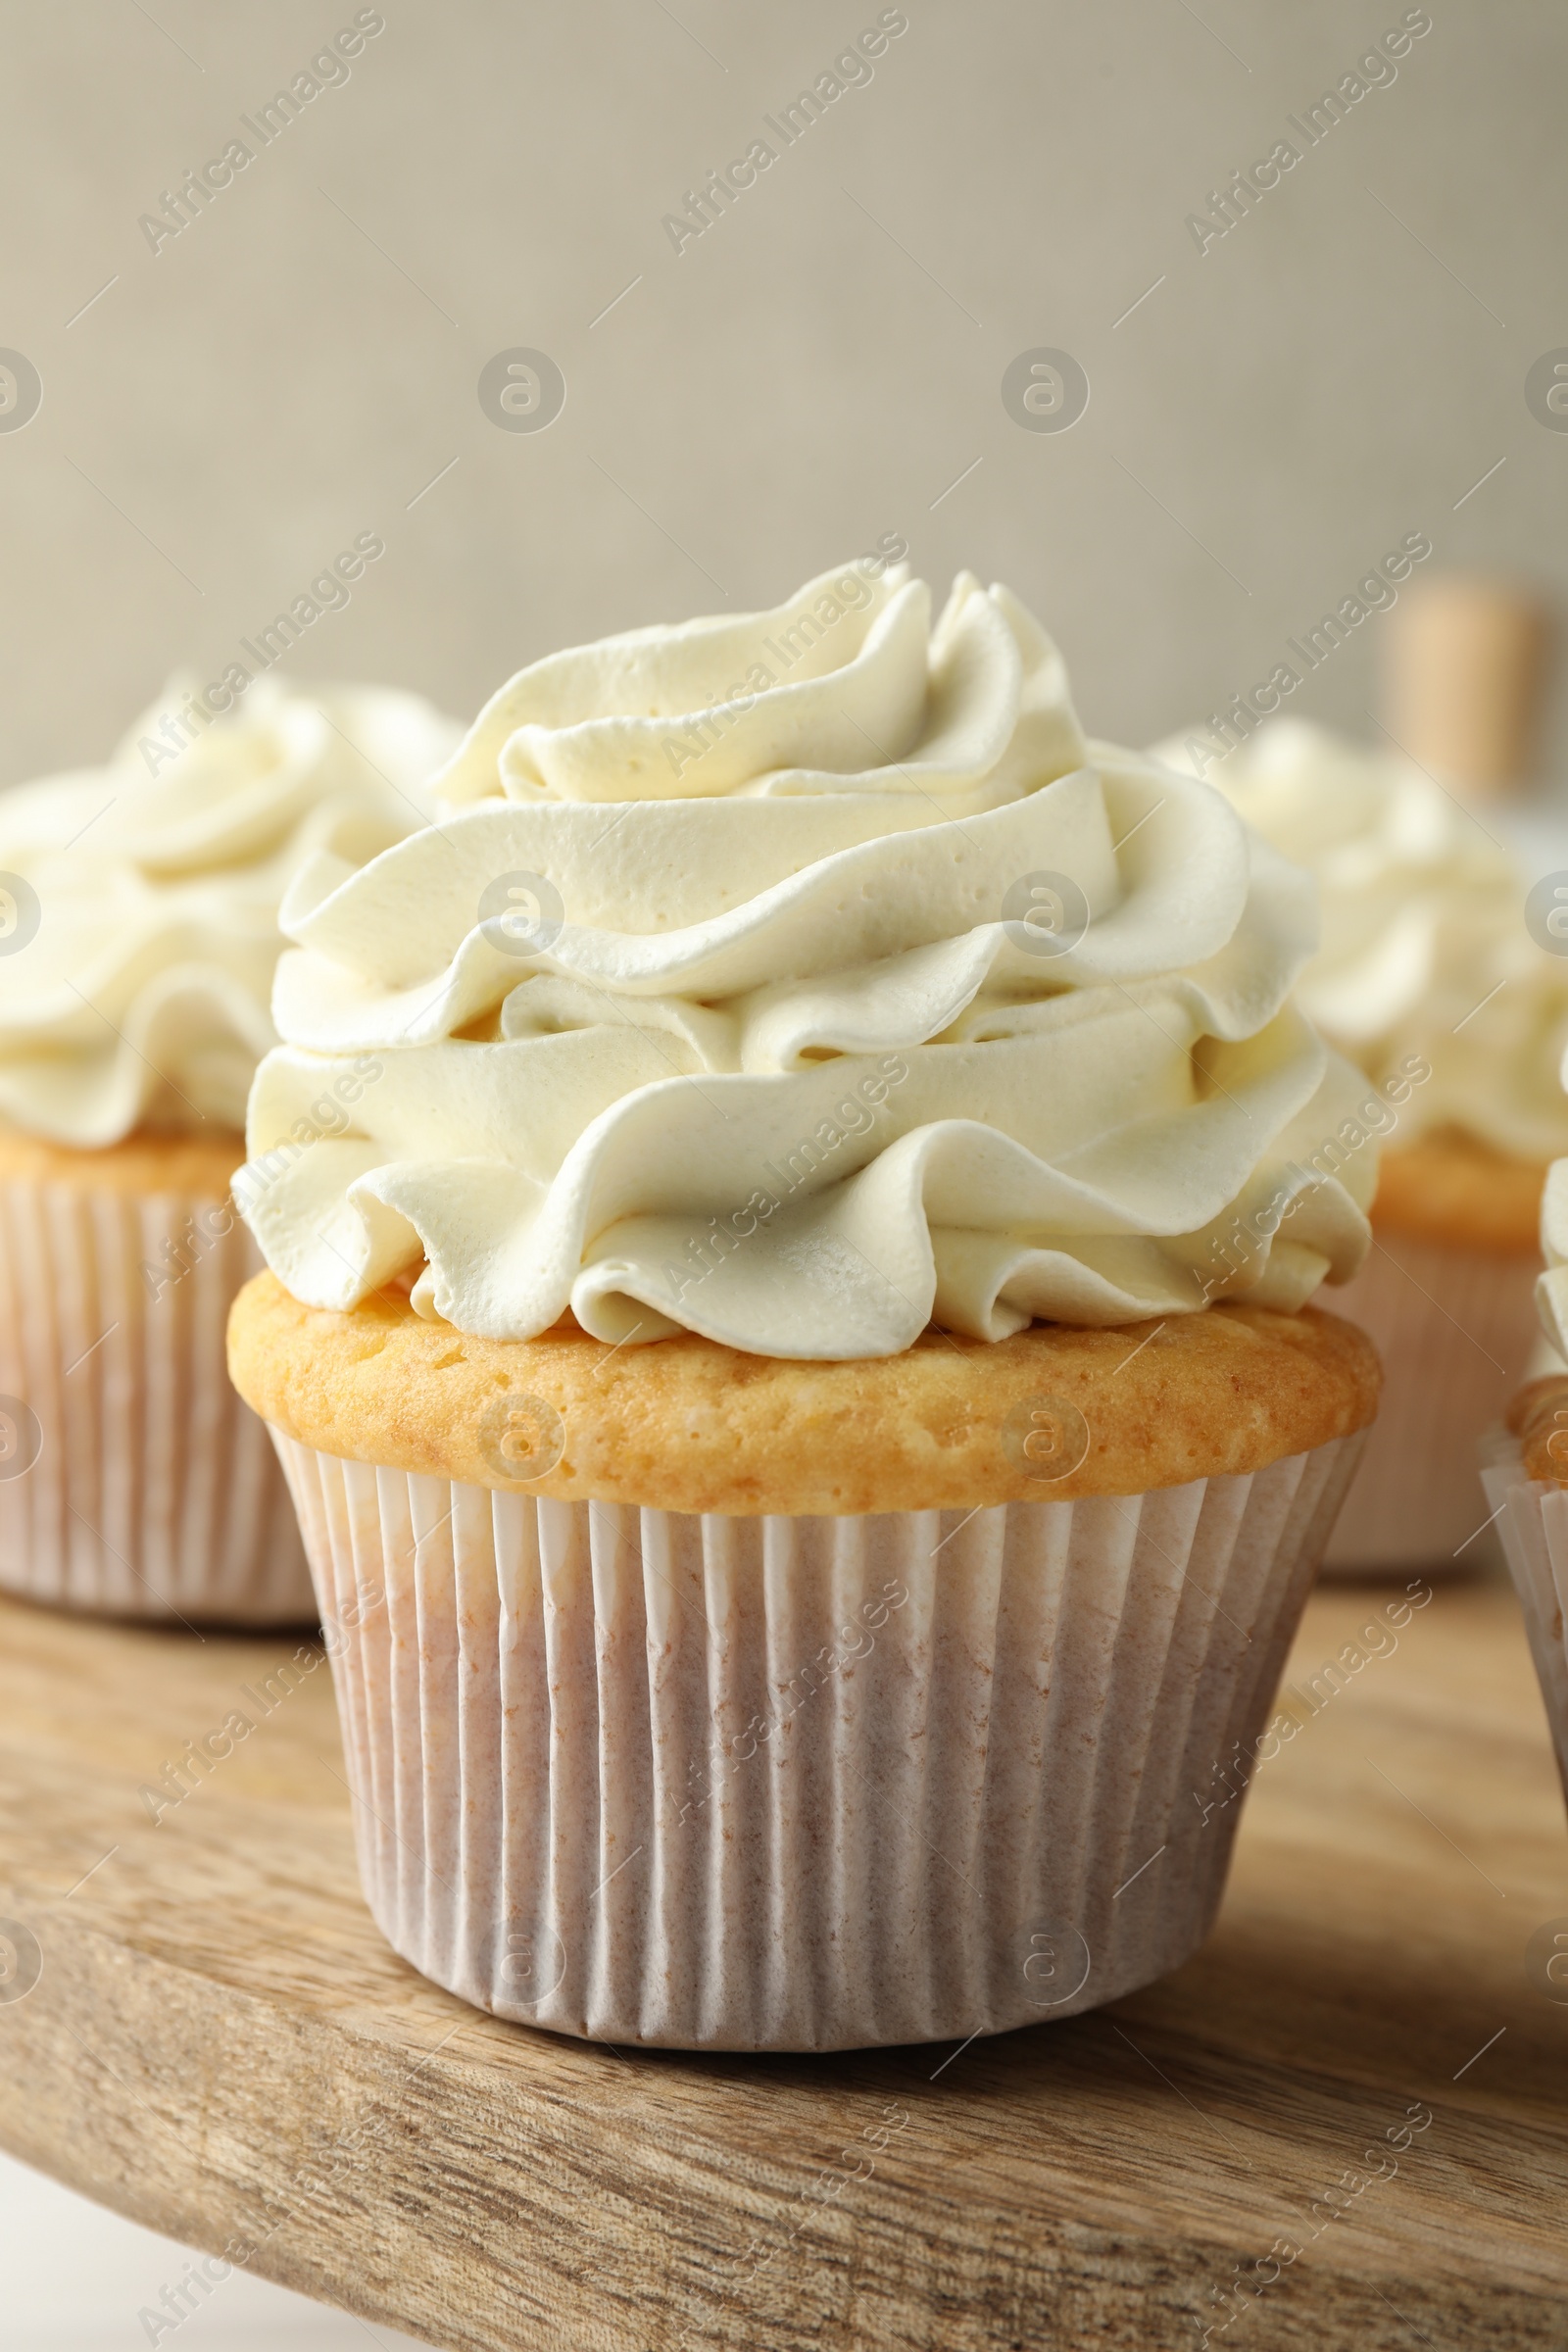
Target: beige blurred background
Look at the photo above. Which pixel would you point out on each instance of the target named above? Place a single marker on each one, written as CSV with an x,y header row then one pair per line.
x,y
821,366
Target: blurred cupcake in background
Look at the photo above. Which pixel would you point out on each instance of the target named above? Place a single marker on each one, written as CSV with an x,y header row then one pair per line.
x,y
1428,978
138,936
1525,1474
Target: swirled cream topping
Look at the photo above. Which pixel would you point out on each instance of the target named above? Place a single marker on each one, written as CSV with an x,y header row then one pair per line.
x,y
139,902
798,979
1424,952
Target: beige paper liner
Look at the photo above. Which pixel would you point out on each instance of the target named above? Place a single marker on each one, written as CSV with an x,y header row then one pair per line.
x,y
1532,1524
1455,1328
155,1493
595,1789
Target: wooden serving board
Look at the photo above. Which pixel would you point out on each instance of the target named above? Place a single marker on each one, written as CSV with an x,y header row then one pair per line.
x,y
220,2044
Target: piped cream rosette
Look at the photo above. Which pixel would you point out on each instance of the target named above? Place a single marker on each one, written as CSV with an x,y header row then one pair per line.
x,y
1551,1287
799,979
138,937
144,900
1424,950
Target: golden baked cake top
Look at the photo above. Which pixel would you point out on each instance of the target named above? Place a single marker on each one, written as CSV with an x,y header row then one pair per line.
x,y
1052,1413
1538,1419
1450,1188
198,1166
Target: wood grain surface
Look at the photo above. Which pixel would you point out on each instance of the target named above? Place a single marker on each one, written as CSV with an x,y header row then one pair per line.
x,y
218,2043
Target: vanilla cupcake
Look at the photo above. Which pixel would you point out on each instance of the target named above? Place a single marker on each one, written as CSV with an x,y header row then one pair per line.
x,y
138,937
1428,980
1525,1474
807,1499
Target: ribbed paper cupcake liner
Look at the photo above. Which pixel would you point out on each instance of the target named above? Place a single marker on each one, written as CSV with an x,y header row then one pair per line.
x,y
802,1783
1533,1522
134,1480
1455,1328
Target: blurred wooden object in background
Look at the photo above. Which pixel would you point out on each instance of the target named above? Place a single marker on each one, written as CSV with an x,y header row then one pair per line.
x,y
1465,662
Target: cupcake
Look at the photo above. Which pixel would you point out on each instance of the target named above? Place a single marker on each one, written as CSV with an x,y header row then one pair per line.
x,y
1429,981
138,923
807,1495
1525,1474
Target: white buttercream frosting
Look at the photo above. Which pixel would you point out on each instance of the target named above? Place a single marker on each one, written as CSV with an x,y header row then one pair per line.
x,y
1424,950
1551,1291
846,987
141,909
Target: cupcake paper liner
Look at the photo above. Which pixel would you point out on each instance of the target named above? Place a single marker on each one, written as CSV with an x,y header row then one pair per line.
x,y
1533,1522
802,1783
134,1480
1455,1328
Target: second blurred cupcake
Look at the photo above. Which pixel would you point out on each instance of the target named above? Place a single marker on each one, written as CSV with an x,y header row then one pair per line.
x,y
1525,1470
1426,977
138,936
